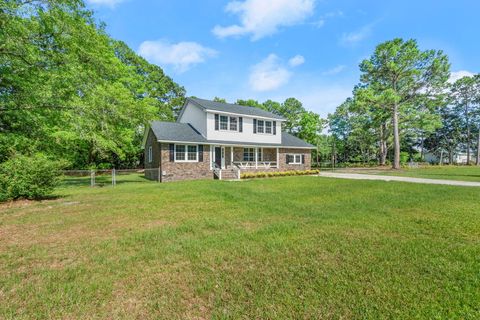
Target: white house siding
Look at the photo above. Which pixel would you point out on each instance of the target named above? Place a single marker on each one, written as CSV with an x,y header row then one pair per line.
x,y
246,136
196,117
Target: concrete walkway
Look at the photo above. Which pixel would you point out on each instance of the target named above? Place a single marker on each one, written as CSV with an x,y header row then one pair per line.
x,y
357,176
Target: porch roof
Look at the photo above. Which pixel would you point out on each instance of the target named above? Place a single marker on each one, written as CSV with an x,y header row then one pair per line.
x,y
174,132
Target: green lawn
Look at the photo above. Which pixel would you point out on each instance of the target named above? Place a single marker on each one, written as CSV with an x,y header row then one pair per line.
x,y
281,248
464,173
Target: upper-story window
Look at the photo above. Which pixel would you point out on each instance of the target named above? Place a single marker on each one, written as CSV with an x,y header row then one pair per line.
x,y
268,127
260,126
227,123
223,123
233,123
264,126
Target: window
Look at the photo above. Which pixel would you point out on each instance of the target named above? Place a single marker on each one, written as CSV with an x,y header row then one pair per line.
x,y
268,127
150,155
223,123
260,154
263,126
248,154
192,153
260,126
233,124
179,152
186,153
294,158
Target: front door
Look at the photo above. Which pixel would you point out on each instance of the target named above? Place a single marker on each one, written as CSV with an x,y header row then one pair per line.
x,y
218,156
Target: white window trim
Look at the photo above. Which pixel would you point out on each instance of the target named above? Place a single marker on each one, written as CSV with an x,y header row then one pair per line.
x,y
264,127
186,152
228,123
220,122
294,158
248,152
150,154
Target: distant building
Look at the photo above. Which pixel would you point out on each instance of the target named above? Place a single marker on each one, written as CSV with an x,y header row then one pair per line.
x,y
458,158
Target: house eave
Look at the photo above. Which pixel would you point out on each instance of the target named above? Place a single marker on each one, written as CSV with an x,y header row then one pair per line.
x,y
240,144
245,115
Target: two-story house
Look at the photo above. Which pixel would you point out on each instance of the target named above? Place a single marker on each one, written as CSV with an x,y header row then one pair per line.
x,y
220,140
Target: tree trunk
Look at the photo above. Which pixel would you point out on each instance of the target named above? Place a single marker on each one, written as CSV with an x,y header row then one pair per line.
x,y
468,134
383,146
478,148
333,154
441,157
422,148
396,139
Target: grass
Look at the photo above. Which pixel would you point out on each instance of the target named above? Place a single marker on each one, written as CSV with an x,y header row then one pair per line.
x,y
463,173
281,248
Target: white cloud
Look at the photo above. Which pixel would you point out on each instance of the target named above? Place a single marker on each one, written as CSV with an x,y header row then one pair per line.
x,y
296,61
352,38
334,70
182,55
329,15
269,74
320,23
107,3
261,18
456,75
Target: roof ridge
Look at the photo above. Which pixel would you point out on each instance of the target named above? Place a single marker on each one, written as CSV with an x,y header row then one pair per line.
x,y
226,107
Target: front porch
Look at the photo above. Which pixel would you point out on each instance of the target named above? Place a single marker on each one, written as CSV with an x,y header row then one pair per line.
x,y
244,158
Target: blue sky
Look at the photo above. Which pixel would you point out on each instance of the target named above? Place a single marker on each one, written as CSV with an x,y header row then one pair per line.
x,y
275,49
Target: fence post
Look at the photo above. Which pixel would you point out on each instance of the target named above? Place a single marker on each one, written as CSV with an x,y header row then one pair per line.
x,y
114,178
92,178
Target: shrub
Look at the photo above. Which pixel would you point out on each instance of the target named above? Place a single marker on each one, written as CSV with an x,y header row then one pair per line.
x,y
25,177
251,175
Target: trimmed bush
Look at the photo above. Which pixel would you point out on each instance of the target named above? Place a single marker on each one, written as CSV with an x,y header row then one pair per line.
x,y
23,177
251,175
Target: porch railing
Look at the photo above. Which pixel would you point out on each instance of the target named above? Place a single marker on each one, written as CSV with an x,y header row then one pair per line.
x,y
256,165
217,170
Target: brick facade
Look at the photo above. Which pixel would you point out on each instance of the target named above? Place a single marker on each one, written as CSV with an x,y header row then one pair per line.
x,y
152,168
175,171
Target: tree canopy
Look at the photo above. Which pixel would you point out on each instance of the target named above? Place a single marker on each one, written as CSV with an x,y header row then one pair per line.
x,y
69,90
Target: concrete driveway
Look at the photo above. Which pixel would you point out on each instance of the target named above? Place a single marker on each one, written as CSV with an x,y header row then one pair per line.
x,y
357,176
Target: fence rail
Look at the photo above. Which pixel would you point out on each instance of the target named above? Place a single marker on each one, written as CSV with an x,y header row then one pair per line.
x,y
104,177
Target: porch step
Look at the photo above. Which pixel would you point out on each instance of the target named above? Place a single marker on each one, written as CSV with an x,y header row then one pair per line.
x,y
229,174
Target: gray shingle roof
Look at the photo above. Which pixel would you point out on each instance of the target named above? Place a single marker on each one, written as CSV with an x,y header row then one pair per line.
x,y
234,108
175,131
184,132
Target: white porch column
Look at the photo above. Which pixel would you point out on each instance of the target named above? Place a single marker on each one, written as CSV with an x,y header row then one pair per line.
x,y
231,156
278,160
256,157
211,157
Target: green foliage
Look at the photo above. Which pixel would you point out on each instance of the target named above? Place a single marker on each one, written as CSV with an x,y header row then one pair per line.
x,y
24,177
251,175
70,91
407,82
